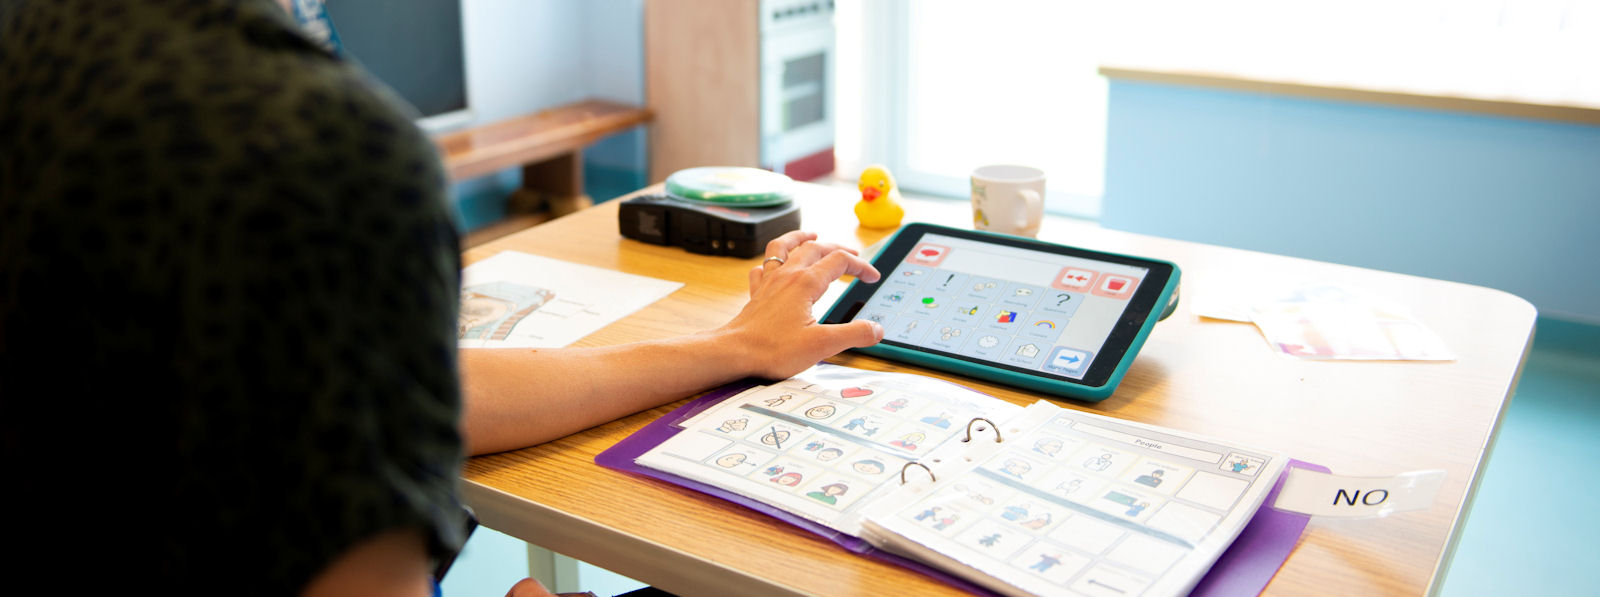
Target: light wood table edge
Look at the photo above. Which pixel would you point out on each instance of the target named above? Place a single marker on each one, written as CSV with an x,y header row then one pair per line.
x,y
1572,113
669,570
1441,566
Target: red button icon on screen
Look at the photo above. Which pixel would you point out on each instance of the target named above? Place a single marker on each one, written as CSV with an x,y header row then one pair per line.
x,y
1073,278
1115,286
929,255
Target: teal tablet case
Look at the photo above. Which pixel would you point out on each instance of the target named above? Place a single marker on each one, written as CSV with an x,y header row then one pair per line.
x,y
1166,302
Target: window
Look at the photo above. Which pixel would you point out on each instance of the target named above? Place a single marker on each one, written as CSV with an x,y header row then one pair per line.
x,y
947,87
935,88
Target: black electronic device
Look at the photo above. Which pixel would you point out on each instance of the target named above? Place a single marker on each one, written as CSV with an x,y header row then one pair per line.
x,y
734,230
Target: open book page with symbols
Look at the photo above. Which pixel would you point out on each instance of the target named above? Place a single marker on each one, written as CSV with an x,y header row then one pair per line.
x,y
821,444
1069,502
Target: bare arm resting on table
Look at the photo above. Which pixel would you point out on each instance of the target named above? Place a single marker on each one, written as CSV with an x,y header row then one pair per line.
x,y
519,397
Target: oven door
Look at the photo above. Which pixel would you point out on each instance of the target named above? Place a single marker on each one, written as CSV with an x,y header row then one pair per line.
x,y
797,70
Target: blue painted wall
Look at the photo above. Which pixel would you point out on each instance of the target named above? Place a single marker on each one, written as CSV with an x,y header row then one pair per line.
x,y
1507,203
528,55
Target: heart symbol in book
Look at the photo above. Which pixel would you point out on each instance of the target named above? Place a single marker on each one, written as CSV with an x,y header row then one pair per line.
x,y
855,392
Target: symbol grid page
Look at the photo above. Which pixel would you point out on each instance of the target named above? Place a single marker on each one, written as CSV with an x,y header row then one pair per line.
x,y
999,304
822,444
1138,510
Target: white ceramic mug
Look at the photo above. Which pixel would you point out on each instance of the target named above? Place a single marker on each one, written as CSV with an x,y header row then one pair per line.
x,y
1008,199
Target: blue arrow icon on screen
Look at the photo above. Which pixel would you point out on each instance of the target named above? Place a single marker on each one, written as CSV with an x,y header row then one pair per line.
x,y
1067,359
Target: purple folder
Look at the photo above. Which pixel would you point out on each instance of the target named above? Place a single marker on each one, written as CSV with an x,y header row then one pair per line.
x,y
1244,569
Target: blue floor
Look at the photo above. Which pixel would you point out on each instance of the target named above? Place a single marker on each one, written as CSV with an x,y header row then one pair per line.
x,y
1533,527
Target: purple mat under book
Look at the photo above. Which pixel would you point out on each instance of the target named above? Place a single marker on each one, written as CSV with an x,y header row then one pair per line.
x,y
1244,569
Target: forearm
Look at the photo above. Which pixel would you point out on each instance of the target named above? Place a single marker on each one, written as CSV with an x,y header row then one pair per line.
x,y
520,397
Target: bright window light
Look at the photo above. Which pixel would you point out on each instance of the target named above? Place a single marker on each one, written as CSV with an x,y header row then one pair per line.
x,y
935,88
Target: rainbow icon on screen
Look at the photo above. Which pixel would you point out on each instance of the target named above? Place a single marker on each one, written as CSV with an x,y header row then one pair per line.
x,y
1045,323
1006,317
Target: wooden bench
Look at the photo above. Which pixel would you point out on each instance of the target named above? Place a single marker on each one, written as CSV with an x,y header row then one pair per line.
x,y
548,145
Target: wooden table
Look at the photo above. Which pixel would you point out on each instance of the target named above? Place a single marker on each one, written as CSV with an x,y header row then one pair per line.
x,y
1205,376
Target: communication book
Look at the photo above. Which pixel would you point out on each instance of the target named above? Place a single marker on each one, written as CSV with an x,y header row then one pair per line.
x,y
1035,500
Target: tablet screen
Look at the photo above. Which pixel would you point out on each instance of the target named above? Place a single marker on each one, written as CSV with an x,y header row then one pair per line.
x,y
1020,305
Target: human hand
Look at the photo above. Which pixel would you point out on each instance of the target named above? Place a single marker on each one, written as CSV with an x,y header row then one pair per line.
x,y
776,329
528,587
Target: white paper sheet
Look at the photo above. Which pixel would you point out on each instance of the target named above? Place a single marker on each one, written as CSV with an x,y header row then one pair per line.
x,y
517,300
1073,502
820,444
1316,320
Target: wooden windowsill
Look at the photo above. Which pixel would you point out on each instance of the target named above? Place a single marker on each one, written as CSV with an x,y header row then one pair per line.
x,y
1514,107
536,137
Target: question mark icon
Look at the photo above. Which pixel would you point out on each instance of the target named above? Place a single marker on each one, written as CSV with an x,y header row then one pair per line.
x,y
1063,298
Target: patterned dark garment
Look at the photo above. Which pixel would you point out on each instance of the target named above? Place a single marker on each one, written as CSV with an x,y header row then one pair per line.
x,y
228,285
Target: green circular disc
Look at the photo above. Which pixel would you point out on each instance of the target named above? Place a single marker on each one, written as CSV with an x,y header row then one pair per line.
x,y
748,187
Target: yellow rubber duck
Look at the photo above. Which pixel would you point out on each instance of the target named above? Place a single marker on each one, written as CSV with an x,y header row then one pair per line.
x,y
880,199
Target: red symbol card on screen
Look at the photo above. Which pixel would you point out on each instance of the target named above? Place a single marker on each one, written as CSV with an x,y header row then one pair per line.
x,y
1075,279
929,255
1115,286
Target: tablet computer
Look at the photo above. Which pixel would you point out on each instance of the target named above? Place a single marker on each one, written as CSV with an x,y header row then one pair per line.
x,y
1051,318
